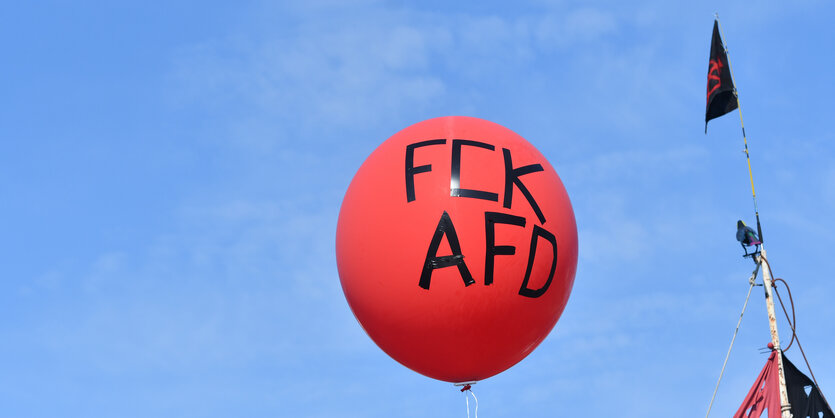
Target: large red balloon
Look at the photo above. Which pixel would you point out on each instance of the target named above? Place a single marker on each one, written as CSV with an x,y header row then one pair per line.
x,y
457,247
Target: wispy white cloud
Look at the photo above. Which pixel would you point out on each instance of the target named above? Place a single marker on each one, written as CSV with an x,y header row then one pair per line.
x,y
323,73
361,69
613,225
580,26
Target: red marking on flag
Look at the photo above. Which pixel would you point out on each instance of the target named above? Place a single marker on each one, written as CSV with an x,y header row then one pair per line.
x,y
716,66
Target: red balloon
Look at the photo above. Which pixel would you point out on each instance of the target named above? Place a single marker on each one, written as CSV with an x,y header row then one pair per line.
x,y
456,247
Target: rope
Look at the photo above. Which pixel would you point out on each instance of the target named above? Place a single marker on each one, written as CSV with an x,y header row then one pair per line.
x,y
752,281
467,389
792,323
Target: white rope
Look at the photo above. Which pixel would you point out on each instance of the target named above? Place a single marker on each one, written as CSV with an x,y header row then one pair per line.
x,y
467,397
752,280
476,404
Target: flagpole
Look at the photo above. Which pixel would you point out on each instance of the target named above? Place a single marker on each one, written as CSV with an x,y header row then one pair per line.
x,y
744,137
785,406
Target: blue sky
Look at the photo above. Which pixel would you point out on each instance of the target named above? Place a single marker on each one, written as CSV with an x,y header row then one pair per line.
x,y
171,177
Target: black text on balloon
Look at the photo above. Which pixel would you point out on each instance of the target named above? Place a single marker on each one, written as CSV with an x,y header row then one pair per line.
x,y
433,261
447,228
455,172
411,170
490,221
512,176
539,232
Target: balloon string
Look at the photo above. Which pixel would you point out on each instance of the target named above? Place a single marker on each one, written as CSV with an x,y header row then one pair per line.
x,y
467,392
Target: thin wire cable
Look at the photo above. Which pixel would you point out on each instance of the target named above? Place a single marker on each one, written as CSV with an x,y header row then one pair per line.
x,y
752,281
792,321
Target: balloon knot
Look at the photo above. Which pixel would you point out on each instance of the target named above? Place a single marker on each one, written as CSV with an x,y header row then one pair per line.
x,y
466,388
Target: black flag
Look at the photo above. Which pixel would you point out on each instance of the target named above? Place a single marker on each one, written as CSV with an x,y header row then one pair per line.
x,y
721,94
812,404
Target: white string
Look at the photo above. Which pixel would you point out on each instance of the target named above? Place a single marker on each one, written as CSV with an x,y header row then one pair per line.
x,y
467,397
752,281
476,404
